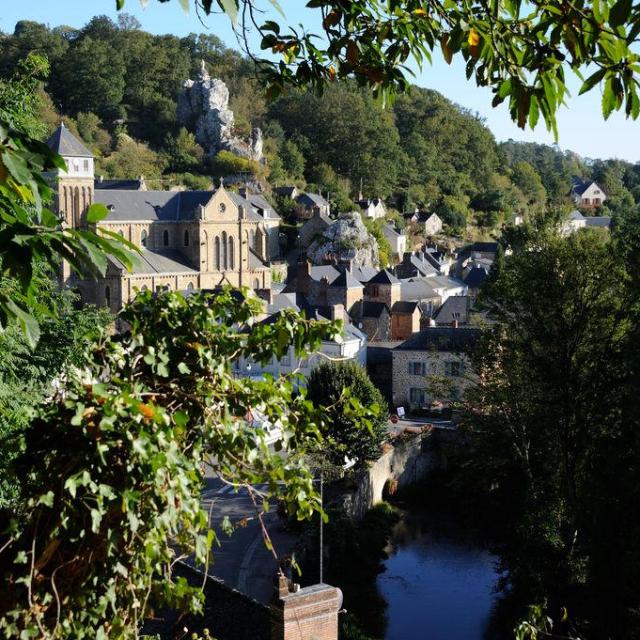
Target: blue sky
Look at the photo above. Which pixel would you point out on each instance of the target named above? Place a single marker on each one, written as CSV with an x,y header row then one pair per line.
x,y
581,126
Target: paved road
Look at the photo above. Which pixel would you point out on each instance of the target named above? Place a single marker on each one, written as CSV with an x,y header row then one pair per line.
x,y
242,560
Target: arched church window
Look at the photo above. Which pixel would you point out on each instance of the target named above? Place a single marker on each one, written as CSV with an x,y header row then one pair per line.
x,y
231,256
190,286
107,296
143,238
165,238
216,253
225,251
186,237
256,284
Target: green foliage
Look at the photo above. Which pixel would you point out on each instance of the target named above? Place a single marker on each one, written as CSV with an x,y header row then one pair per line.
x,y
556,400
374,227
114,465
31,233
185,154
356,435
226,163
27,374
20,99
131,159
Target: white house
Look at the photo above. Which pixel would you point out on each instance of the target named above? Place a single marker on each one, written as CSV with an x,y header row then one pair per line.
x,y
371,208
351,345
577,221
587,193
397,239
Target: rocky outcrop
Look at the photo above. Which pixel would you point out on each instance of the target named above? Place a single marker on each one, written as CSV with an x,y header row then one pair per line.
x,y
203,104
346,239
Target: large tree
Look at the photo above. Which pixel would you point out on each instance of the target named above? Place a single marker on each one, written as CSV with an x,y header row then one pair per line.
x,y
349,434
555,405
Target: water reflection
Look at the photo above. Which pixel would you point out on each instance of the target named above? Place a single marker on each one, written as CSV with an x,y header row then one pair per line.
x,y
438,584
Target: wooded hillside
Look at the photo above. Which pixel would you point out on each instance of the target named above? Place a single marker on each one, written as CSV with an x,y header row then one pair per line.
x,y
117,87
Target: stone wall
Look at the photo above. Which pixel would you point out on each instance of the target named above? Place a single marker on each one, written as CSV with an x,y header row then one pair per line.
x,y
408,460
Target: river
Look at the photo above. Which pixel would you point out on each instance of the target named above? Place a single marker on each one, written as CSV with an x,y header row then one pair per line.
x,y
437,583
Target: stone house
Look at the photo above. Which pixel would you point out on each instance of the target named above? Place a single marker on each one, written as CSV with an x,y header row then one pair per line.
x,y
383,287
373,318
188,240
314,227
405,319
436,357
429,224
308,203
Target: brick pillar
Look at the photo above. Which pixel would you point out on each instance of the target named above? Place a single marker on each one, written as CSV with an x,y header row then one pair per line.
x,y
306,614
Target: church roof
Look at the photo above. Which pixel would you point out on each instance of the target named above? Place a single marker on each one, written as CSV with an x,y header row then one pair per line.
x,y
346,280
64,143
163,206
151,262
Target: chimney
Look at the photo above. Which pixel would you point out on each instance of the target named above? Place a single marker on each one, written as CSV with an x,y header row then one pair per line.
x,y
303,276
324,286
241,212
454,324
243,191
432,322
337,312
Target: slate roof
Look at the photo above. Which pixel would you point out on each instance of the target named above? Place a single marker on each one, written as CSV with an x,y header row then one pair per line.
x,y
312,200
259,202
454,308
151,205
122,185
598,221
416,290
384,277
324,271
404,306
152,262
255,261
63,142
441,339
363,274
164,206
476,276
483,247
345,279
576,215
366,309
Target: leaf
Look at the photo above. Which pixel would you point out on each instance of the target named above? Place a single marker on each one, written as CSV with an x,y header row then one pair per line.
x,y
97,212
619,13
230,7
608,99
592,80
27,322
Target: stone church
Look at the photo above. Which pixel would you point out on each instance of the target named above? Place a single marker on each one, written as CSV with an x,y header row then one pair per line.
x,y
188,239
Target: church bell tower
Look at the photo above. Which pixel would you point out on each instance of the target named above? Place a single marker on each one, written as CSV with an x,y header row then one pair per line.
x,y
74,187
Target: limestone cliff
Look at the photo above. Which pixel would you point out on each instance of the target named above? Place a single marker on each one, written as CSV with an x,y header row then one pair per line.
x,y
204,104
347,239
